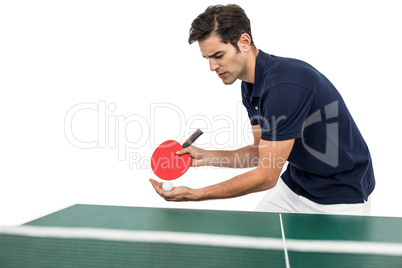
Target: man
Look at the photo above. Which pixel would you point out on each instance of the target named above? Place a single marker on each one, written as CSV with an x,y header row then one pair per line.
x,y
297,116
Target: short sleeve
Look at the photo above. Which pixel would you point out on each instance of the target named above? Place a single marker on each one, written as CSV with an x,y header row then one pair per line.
x,y
284,109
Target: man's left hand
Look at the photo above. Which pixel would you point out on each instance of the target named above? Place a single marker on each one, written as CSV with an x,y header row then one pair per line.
x,y
180,193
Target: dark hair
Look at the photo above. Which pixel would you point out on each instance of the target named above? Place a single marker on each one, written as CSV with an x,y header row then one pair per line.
x,y
228,22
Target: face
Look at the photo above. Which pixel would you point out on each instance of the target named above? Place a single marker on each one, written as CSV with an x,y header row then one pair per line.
x,y
224,59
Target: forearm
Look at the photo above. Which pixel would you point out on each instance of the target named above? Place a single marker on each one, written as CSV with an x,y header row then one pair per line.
x,y
245,157
272,158
253,181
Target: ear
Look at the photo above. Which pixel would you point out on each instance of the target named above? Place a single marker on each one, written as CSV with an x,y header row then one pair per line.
x,y
244,42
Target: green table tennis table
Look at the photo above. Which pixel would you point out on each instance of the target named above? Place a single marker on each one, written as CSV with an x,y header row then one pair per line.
x,y
114,236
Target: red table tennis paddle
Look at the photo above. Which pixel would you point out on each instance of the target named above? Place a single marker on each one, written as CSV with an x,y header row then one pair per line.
x,y
166,164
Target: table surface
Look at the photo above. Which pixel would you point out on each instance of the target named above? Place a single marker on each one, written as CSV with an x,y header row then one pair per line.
x,y
112,236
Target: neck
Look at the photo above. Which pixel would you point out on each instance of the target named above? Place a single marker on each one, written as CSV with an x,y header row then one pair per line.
x,y
252,59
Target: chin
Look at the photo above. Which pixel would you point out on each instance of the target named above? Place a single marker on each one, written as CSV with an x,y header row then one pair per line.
x,y
228,82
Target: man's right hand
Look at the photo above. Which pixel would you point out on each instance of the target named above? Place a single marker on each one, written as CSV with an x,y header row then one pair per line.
x,y
198,156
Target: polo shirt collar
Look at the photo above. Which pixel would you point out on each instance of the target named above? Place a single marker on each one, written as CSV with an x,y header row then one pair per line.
x,y
260,65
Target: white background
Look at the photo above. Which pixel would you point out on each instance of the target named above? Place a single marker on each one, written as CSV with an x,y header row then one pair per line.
x,y
120,77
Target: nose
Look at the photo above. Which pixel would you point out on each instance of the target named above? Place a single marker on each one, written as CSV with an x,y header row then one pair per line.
x,y
213,66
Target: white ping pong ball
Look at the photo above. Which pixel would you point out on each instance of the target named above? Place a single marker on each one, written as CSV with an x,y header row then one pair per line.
x,y
167,186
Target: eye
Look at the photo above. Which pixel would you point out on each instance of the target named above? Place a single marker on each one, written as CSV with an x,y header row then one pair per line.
x,y
218,57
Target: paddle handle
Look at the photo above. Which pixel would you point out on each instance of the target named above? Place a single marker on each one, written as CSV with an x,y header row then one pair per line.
x,y
192,138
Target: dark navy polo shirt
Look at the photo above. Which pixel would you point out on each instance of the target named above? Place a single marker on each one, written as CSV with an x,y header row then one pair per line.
x,y
330,162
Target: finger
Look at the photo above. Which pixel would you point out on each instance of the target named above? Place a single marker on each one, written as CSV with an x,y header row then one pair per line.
x,y
171,195
183,151
157,186
155,183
